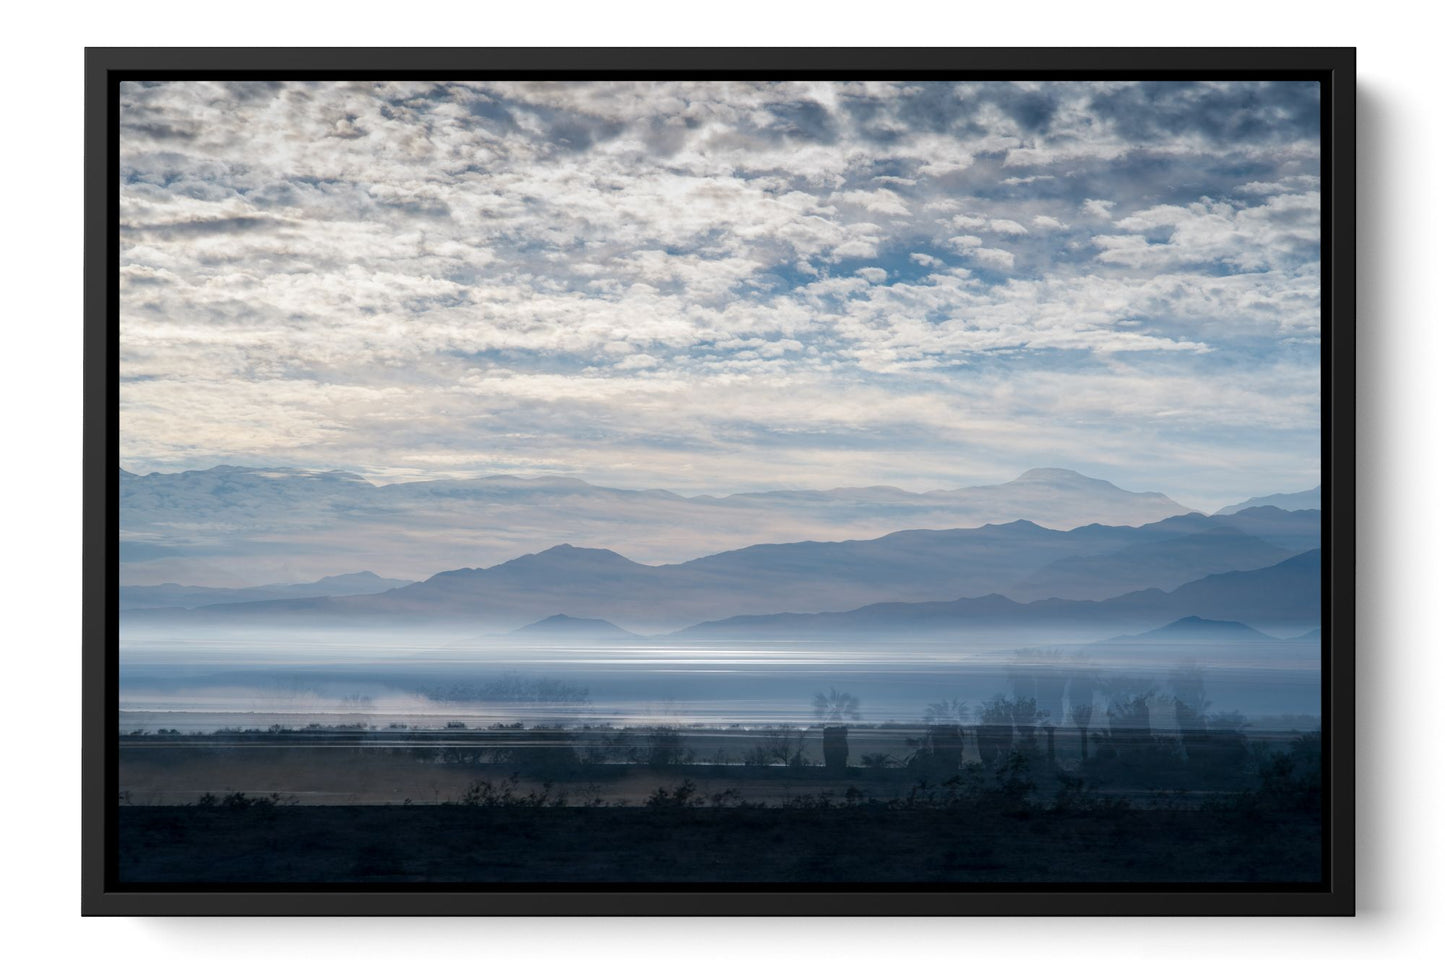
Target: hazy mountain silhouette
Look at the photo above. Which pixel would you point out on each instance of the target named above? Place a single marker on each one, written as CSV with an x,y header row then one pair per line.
x,y
230,525
1167,564
1285,593
170,595
562,625
1296,529
1090,562
1309,499
1195,629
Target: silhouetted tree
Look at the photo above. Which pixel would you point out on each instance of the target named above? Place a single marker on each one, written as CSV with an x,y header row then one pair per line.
x,y
1083,681
945,712
941,749
1041,675
665,747
1027,716
1081,713
995,729
1186,686
834,707
1128,714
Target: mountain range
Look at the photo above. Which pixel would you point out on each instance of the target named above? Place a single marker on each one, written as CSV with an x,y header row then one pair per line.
x,y
1281,500
562,626
1285,594
189,597
1191,629
236,527
1019,561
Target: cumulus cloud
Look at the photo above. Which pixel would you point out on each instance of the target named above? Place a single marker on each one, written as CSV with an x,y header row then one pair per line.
x,y
692,279
993,257
1006,226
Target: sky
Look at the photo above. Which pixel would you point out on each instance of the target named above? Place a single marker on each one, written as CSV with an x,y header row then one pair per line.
x,y
719,287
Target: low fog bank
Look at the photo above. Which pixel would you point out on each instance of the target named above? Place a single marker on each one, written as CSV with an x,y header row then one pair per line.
x,y
380,679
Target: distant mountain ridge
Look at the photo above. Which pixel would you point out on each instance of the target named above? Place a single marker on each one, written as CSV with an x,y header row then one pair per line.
x,y
1291,501
917,566
1286,593
232,525
1194,629
172,595
561,626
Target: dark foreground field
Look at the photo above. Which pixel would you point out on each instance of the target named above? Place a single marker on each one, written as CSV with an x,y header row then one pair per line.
x,y
516,807
861,844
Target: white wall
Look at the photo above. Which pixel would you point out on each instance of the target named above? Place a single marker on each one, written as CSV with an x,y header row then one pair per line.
x,y
1400,412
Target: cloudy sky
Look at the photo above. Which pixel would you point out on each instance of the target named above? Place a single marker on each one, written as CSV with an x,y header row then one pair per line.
x,y
715,287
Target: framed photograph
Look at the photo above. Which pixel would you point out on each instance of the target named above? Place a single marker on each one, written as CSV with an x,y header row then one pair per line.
x,y
719,481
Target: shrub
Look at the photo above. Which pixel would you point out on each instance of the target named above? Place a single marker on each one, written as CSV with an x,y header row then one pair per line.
x,y
483,793
239,801
682,796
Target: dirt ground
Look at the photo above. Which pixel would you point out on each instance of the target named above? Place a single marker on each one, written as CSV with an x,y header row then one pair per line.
x,y
307,776
344,769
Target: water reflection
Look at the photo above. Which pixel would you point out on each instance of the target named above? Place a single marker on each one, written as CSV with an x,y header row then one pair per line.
x,y
231,680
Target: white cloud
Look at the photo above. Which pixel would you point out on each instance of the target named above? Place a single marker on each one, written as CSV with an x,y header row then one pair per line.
x,y
462,276
881,201
1271,234
635,362
993,257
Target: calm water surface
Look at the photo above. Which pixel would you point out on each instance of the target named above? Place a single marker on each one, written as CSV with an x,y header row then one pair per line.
x,y
203,684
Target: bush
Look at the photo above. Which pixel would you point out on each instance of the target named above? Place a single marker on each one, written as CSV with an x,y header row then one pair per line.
x,y
682,796
1293,779
1007,788
483,793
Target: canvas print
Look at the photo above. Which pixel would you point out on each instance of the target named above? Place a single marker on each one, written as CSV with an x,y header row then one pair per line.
x,y
697,482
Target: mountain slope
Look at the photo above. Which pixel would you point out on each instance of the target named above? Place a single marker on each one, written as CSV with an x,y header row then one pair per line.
x,y
170,595
1309,499
903,567
562,626
1287,593
245,524
1166,564
1194,629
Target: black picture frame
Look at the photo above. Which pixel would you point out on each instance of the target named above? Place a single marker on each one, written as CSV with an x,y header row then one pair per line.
x,y
102,894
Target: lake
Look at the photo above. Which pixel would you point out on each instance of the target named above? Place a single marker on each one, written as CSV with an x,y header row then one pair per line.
x,y
201,684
